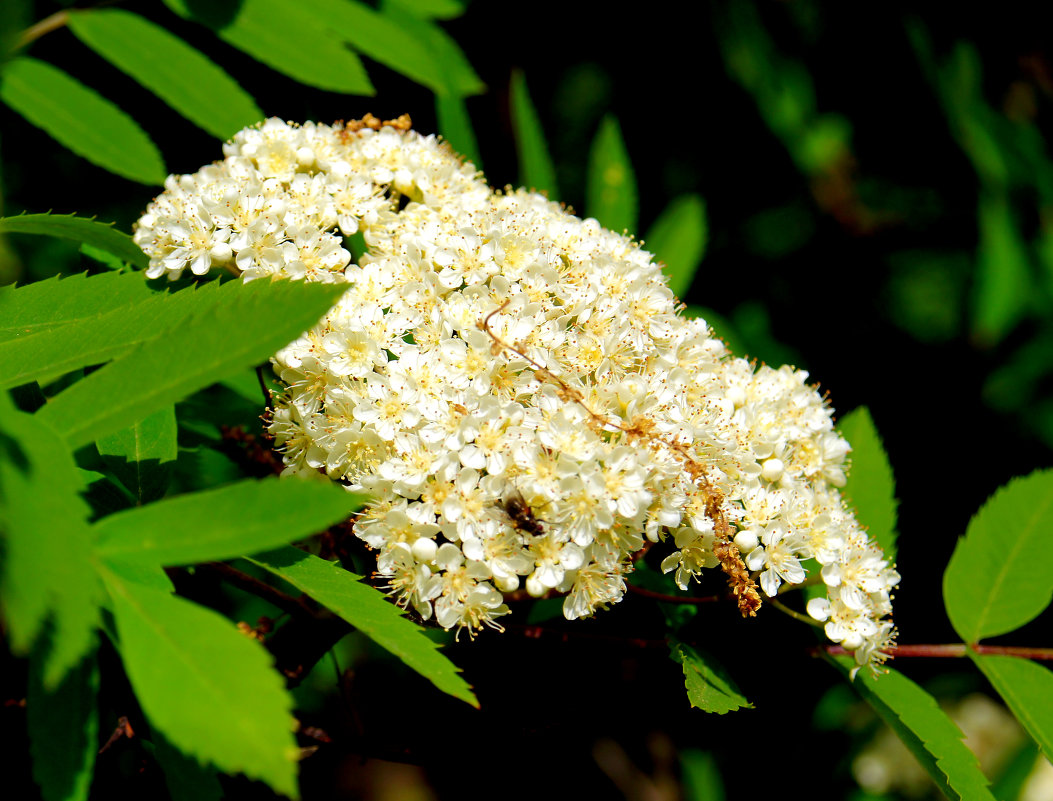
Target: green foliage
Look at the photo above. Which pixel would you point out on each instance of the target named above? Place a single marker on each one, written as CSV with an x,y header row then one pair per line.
x,y
79,229
536,170
678,239
180,75
709,687
80,119
368,611
1001,573
208,688
931,736
871,487
141,455
610,193
213,525
1026,688
1000,295
701,777
456,127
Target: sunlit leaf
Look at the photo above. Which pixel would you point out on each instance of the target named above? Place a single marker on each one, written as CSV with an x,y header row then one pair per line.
x,y
709,687
181,76
678,239
871,487
368,611
80,119
610,191
78,229
1026,687
141,455
1001,573
535,164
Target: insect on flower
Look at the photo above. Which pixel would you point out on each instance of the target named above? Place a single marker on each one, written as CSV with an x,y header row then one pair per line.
x,y
519,512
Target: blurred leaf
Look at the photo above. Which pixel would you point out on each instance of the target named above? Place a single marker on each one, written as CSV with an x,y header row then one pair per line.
x,y
367,610
926,731
535,165
701,776
709,688
1026,687
610,193
181,76
242,518
430,9
141,455
79,229
209,689
457,73
13,21
291,38
871,487
80,119
777,232
63,726
925,291
249,323
1001,573
678,239
45,569
1003,285
456,127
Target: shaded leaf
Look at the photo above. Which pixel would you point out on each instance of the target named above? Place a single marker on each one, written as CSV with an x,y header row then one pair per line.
x,y
932,737
85,230
248,323
141,455
709,687
170,68
63,726
46,563
456,127
368,611
208,688
80,119
871,487
1001,573
287,37
457,73
535,165
1026,687
610,190
186,779
678,239
214,525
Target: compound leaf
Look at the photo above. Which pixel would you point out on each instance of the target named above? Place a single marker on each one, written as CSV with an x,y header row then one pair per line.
x,y
709,687
141,455
84,230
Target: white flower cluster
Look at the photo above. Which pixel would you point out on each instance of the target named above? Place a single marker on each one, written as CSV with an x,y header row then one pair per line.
x,y
515,389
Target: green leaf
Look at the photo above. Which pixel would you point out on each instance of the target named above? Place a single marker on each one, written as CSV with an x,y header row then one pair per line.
x,y
63,725
428,9
1026,687
174,71
80,119
678,239
367,610
610,190
1001,573
141,455
248,323
535,164
214,525
701,776
709,687
926,731
95,338
456,127
871,487
288,37
457,74
45,573
185,778
1002,286
208,688
79,229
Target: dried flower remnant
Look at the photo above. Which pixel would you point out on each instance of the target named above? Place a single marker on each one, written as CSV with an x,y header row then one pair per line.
x,y
492,346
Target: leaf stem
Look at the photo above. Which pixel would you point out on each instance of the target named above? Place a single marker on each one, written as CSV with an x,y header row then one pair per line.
x,y
45,26
794,614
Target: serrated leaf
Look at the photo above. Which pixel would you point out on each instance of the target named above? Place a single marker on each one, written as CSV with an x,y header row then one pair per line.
x,y
709,687
97,337
535,165
81,119
678,239
1001,573
170,68
212,691
610,189
141,456
456,127
214,525
1027,688
367,610
286,37
456,72
1003,272
871,487
248,323
63,725
85,230
45,573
